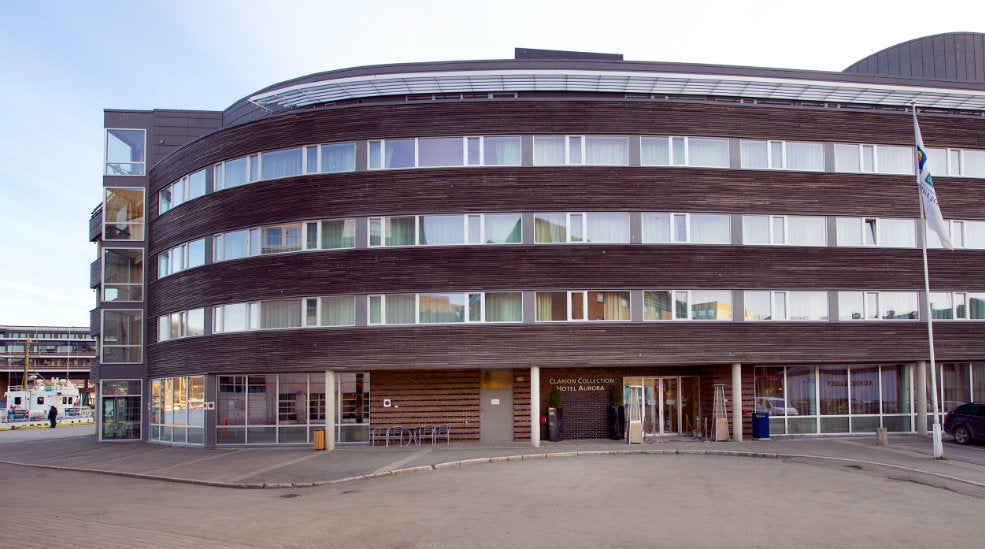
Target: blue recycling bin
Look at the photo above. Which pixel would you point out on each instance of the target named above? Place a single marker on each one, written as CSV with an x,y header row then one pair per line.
x,y
760,425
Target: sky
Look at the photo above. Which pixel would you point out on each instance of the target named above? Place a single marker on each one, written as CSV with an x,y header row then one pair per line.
x,y
62,62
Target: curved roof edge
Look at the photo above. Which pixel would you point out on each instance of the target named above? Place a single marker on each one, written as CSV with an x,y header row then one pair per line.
x,y
951,57
613,75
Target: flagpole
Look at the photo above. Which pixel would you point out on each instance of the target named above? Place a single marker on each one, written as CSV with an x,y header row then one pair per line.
x,y
936,429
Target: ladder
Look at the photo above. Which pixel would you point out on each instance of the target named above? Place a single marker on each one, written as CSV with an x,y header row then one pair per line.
x,y
720,415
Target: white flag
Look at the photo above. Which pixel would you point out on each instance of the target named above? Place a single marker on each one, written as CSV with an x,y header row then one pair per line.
x,y
928,194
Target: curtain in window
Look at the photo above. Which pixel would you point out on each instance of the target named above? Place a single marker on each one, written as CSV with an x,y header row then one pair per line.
x,y
656,228
941,306
284,163
552,306
550,228
338,311
895,160
976,306
338,233
440,151
898,233
899,305
399,309
502,151
710,153
608,227
805,156
503,229
338,157
654,151
895,390
441,308
615,304
978,381
711,229
973,164
504,307
753,154
281,313
800,389
606,150
849,231
442,230
808,305
847,158
399,231
399,153
757,305
956,385
807,231
548,151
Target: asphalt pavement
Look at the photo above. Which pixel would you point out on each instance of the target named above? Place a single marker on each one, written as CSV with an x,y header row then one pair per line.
x,y
76,448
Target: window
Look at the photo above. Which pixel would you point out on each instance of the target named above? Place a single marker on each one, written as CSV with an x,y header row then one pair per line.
x,y
337,311
392,309
179,258
591,227
574,150
870,231
780,229
441,230
392,154
235,317
957,305
583,306
501,150
502,307
785,305
681,228
181,324
280,313
337,157
233,173
494,228
704,152
957,162
123,274
781,155
884,159
282,163
871,305
687,305
122,336
280,239
181,191
125,150
236,244
123,214
338,233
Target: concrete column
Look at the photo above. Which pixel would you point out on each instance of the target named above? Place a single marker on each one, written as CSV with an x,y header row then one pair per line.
x,y
921,397
330,410
737,402
535,406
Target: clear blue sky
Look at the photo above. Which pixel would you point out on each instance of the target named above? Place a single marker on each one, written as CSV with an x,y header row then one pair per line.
x,y
63,61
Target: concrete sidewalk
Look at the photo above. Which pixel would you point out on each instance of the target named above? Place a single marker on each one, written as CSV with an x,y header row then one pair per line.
x,y
75,448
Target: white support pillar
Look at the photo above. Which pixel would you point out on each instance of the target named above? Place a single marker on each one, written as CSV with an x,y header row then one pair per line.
x,y
535,406
737,402
921,398
330,410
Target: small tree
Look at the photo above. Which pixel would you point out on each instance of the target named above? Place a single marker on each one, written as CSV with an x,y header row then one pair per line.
x,y
556,398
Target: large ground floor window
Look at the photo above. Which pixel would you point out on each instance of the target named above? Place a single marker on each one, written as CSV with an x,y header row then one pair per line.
x,y
289,408
833,399
178,410
120,403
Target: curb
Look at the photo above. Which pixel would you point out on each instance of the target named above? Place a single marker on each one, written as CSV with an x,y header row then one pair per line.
x,y
500,459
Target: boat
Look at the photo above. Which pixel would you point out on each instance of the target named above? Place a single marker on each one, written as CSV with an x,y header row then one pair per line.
x,y
32,403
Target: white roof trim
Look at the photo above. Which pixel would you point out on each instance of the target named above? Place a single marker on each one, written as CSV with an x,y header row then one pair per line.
x,y
490,81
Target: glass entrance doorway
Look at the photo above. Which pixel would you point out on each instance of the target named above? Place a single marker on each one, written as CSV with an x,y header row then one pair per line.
x,y
671,405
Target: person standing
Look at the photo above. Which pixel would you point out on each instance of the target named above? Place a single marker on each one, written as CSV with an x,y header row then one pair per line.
x,y
52,416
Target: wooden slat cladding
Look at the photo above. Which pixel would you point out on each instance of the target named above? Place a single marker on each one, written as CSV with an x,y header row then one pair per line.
x,y
461,190
563,116
521,404
565,267
428,398
567,345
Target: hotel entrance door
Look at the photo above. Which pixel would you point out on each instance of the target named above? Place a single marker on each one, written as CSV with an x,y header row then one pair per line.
x,y
670,404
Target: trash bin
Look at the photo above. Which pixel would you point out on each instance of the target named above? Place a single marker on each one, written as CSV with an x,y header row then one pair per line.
x,y
319,439
760,425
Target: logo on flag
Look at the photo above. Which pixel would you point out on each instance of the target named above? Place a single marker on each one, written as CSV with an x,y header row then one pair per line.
x,y
928,195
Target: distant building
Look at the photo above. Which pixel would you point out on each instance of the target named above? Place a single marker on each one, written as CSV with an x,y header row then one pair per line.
x,y
55,351
449,242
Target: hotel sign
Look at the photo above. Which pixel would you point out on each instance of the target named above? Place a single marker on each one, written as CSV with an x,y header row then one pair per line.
x,y
581,384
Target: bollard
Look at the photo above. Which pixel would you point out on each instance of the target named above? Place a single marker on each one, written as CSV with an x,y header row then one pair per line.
x,y
882,437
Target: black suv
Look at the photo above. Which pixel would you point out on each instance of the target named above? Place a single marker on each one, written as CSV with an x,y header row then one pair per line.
x,y
966,422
